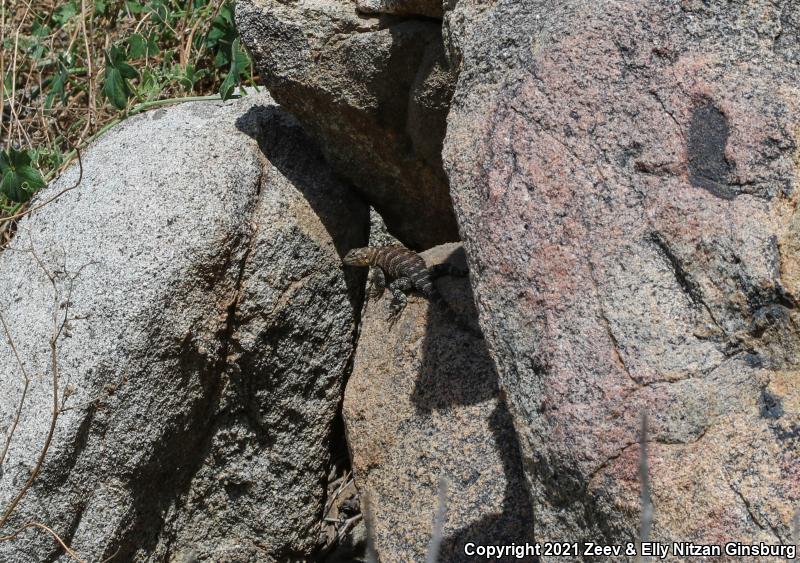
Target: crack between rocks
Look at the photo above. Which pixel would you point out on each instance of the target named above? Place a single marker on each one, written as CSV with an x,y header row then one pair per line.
x,y
682,276
753,516
608,462
607,325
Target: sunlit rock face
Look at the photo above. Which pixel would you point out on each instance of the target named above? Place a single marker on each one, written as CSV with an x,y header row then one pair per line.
x,y
202,324
625,178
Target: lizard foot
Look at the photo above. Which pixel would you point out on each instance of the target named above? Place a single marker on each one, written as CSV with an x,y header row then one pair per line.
x,y
377,283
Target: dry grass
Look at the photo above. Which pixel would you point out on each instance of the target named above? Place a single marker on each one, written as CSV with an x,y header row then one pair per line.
x,y
70,68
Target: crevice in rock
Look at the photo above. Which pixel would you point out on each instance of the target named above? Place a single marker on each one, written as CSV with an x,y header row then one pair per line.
x,y
689,286
608,462
340,453
681,276
768,528
607,324
157,486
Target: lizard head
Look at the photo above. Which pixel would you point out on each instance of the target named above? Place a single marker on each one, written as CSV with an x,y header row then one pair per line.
x,y
358,257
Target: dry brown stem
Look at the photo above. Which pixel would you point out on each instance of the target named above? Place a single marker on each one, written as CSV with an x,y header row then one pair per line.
x,y
26,383
71,553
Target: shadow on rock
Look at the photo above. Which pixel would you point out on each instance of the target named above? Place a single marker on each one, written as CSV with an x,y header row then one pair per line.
x,y
514,525
280,137
457,370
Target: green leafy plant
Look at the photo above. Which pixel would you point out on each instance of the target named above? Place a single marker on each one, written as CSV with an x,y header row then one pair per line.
x,y
118,72
71,69
140,46
20,179
238,63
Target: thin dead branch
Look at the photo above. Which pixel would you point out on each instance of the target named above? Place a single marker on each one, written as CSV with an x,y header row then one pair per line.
x,y
437,532
26,383
70,553
59,321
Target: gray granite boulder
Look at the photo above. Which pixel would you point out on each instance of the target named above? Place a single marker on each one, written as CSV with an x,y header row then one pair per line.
x,y
202,324
374,91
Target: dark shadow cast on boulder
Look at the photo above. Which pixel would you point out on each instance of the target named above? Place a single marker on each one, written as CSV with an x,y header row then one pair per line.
x,y
280,136
457,370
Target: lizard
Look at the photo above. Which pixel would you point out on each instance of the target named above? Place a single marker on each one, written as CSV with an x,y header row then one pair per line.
x,y
408,271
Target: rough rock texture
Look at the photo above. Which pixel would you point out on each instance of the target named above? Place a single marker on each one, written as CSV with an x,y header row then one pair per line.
x,y
375,90
423,403
429,8
208,326
626,175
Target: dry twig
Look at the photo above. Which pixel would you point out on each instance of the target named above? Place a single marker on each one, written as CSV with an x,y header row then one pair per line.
x,y
437,532
71,553
59,319
645,498
26,382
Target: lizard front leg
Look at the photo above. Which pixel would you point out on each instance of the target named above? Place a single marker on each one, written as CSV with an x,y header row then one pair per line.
x,y
398,288
377,283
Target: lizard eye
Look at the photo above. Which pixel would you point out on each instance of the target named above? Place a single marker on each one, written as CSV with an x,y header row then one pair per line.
x,y
354,258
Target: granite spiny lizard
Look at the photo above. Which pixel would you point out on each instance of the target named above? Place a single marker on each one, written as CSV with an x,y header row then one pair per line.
x,y
408,271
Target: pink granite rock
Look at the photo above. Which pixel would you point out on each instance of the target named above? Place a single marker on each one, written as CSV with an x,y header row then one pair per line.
x,y
423,403
625,176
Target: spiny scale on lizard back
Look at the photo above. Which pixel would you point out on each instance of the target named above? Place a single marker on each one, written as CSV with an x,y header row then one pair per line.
x,y
400,262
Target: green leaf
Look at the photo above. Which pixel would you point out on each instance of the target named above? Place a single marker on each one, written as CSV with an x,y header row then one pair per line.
x,y
159,9
20,180
115,88
57,89
140,46
115,84
65,12
40,28
134,7
233,79
149,86
222,35
137,46
191,76
228,86
7,84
